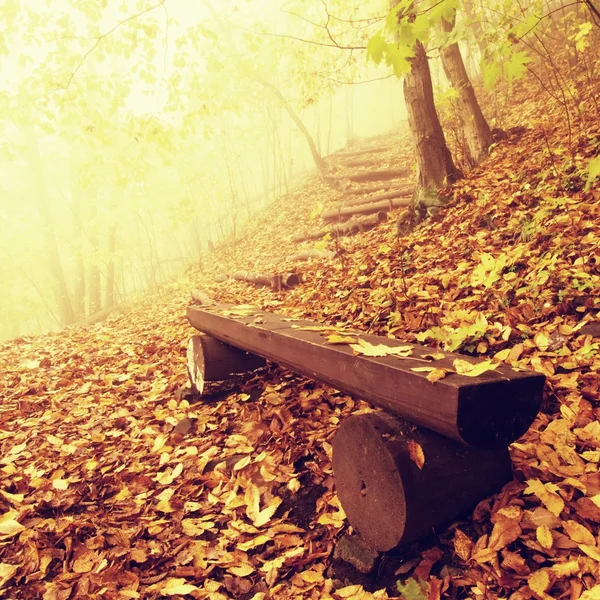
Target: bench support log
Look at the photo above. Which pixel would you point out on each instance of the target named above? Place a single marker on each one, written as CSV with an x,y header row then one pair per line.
x,y
388,499
209,359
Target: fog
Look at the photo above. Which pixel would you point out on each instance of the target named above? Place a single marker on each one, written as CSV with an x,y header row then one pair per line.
x,y
136,136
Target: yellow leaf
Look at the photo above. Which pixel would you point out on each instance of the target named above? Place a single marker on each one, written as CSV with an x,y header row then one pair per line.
x,y
253,543
463,545
539,582
10,527
591,551
578,533
541,341
252,499
591,594
433,356
265,515
60,484
243,462
416,453
502,355
368,349
242,570
468,369
178,586
7,571
159,442
436,375
311,576
433,373
336,338
545,492
544,536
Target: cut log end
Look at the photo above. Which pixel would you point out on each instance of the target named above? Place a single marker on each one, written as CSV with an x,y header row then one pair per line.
x,y
398,483
195,364
495,416
209,359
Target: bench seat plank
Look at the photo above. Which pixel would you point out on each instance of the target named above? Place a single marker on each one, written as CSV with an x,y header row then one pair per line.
x,y
488,411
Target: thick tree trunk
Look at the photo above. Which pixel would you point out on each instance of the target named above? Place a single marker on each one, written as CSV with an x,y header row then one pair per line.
x,y
475,127
61,291
435,167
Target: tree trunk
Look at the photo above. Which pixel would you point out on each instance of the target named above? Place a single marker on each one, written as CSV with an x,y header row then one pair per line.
x,y
435,167
79,291
61,291
319,162
109,296
95,297
475,127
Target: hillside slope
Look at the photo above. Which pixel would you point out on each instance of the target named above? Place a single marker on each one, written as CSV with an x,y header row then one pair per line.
x,y
115,487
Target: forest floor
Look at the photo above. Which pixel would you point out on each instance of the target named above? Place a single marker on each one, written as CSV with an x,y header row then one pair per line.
x,y
113,486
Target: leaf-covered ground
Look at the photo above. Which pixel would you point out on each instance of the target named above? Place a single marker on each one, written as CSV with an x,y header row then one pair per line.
x,y
115,486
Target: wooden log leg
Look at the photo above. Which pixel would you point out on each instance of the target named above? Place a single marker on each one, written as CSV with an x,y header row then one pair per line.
x,y
209,359
388,499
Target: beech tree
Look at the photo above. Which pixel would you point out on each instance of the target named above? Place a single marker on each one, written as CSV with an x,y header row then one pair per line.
x,y
475,127
408,57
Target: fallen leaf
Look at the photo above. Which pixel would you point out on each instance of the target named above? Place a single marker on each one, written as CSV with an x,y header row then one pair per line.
x,y
544,536
468,369
547,494
368,349
415,451
336,338
177,586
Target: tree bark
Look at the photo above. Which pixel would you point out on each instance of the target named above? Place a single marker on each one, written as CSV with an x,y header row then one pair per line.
x,y
435,167
475,127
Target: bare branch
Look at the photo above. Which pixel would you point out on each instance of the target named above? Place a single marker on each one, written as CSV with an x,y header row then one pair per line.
x,y
291,37
106,34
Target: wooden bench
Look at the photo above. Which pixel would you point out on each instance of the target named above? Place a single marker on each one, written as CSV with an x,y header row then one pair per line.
x,y
433,452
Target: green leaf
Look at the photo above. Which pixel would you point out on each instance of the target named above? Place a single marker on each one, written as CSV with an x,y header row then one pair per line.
x,y
593,170
492,71
376,47
515,68
413,589
398,58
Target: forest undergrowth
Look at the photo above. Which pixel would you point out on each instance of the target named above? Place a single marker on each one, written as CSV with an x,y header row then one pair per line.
x,y
115,486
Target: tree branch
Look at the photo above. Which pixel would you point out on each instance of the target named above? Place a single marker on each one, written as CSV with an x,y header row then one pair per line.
x,y
106,34
298,39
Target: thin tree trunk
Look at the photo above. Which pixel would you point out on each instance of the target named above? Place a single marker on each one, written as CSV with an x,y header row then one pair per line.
x,y
61,291
79,292
109,293
319,162
329,125
95,298
475,127
435,167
